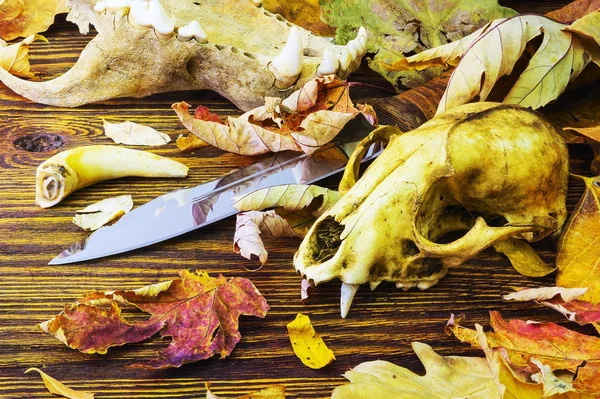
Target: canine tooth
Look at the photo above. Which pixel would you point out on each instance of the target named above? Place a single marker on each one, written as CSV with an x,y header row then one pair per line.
x,y
151,13
288,64
193,29
348,292
345,59
112,5
354,48
374,284
423,285
329,65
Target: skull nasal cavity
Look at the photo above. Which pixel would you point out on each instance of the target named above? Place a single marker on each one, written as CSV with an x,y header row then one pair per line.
x,y
409,248
328,239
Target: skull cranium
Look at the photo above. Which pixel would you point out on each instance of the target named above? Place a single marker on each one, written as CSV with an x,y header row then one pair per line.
x,y
496,171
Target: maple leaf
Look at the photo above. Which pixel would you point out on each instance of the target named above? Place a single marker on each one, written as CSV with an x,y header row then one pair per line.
x,y
131,133
200,313
492,52
308,119
21,18
297,206
15,57
445,377
399,27
308,346
58,388
94,216
523,342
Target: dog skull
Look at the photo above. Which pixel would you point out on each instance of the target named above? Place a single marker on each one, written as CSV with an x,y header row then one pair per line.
x,y
496,171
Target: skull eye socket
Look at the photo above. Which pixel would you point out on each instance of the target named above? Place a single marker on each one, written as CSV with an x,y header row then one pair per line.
x,y
327,239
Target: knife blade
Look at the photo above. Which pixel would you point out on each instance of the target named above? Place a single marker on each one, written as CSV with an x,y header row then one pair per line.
x,y
184,210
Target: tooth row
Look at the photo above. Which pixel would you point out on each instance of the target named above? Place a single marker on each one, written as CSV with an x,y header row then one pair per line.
x,y
350,56
422,285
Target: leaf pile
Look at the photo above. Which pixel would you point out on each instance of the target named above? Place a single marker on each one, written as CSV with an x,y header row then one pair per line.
x,y
308,119
200,313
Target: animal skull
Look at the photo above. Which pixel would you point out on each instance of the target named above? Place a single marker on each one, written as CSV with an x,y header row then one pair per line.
x,y
494,170
233,47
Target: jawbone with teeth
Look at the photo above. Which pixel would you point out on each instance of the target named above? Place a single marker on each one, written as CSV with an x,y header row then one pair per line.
x,y
143,47
495,171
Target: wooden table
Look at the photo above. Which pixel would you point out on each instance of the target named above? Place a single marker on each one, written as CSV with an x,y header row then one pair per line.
x,y
381,324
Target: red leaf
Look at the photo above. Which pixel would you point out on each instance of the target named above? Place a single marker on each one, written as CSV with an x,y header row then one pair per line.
x,y
204,113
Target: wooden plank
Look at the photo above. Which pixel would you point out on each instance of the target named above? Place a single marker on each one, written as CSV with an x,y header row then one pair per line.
x,y
381,324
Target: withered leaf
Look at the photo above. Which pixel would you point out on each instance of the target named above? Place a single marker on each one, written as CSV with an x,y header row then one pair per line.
x,y
574,10
94,216
308,346
272,392
58,388
523,258
543,293
131,133
21,18
401,26
559,348
304,13
445,377
578,254
200,313
15,57
305,121
190,142
491,52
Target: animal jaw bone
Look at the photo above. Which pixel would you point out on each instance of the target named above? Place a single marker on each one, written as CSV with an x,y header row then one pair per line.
x,y
460,171
136,53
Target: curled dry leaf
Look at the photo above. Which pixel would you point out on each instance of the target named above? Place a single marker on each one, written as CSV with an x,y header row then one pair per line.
x,y
305,13
522,342
308,345
21,18
272,392
445,377
523,257
492,52
403,26
94,216
15,57
574,10
309,118
200,313
578,254
543,293
135,134
306,290
190,142
58,388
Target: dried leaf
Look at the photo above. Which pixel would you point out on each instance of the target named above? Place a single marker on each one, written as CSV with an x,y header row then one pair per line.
x,y
522,342
490,53
305,121
541,294
592,133
21,18
58,388
306,290
134,134
308,345
305,13
190,142
272,392
523,258
291,197
445,377
94,216
15,57
402,26
578,253
199,312
573,11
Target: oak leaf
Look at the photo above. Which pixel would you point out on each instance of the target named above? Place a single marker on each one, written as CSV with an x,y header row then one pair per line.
x,y
492,52
297,206
131,133
58,388
272,392
304,13
398,27
308,119
445,377
308,346
200,313
15,57
22,18
94,216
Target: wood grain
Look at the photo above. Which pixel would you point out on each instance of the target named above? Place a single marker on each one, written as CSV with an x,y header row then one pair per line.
x,y
381,324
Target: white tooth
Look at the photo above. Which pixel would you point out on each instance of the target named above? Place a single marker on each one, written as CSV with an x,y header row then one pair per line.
x,y
112,5
423,285
257,3
152,14
405,286
288,64
329,65
193,29
374,284
345,59
399,285
348,292
354,47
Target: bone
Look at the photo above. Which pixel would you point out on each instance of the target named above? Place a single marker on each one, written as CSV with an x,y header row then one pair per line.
x,y
329,65
374,284
192,30
345,58
348,292
423,285
353,52
151,14
288,64
112,5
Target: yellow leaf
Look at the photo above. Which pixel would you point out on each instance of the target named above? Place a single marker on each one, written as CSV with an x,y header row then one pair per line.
x,y
308,345
523,258
134,134
58,388
272,392
190,142
94,216
21,18
15,57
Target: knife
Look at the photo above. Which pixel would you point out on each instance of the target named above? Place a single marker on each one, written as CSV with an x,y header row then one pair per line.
x,y
184,210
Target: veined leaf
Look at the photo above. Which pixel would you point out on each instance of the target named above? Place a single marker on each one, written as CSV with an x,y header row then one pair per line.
x,y
94,216
135,134
58,388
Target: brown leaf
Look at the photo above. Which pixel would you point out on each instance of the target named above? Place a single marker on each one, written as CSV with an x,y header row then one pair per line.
x,y
308,346
573,11
131,133
305,13
199,312
15,57
21,18
272,392
58,388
